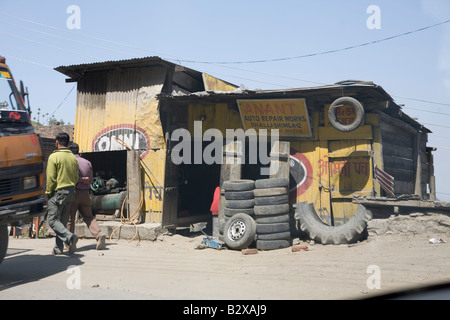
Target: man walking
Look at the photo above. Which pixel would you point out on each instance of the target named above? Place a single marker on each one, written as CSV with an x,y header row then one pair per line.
x,y
82,201
62,176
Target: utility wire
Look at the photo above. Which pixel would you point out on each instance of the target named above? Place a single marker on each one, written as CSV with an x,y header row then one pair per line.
x,y
324,52
65,98
421,100
176,58
429,111
220,64
435,125
47,45
225,64
89,36
27,61
68,39
181,59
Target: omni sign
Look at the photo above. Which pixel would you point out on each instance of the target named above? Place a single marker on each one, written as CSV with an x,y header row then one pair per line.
x,y
132,136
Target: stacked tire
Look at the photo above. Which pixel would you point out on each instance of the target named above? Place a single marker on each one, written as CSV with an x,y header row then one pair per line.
x,y
272,215
238,229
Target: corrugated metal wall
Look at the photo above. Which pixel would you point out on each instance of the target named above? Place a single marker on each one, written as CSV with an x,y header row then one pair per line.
x,y
121,103
331,160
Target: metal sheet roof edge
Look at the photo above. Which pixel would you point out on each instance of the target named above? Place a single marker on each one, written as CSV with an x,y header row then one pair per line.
x,y
77,70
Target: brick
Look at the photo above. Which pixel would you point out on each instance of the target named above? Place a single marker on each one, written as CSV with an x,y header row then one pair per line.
x,y
299,248
249,251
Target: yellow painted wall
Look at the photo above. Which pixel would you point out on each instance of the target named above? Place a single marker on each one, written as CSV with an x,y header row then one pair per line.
x,y
126,103
212,83
340,162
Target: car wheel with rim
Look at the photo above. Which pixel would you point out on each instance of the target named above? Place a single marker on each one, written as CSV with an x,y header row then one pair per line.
x,y
239,231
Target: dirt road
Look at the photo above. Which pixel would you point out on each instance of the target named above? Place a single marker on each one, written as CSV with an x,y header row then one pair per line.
x,y
172,268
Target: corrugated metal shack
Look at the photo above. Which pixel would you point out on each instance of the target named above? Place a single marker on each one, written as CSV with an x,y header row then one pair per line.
x,y
328,167
117,109
138,104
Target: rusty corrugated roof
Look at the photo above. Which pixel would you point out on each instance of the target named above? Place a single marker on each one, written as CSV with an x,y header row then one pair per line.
x,y
354,88
75,72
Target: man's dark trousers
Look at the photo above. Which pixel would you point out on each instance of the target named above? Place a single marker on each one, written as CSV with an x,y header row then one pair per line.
x,y
58,212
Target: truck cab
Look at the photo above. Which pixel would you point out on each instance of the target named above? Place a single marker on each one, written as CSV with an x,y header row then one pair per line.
x,y
21,160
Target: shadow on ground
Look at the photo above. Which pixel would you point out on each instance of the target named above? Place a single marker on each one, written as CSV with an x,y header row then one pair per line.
x,y
19,268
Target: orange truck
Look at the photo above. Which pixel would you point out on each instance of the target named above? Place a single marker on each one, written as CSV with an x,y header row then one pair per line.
x,y
21,160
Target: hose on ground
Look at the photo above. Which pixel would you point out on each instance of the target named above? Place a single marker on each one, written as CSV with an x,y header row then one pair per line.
x,y
131,219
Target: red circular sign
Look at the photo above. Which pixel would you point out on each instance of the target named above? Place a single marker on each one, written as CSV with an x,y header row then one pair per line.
x,y
300,174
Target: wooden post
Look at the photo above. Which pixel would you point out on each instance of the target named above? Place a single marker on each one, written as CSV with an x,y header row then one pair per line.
x,y
418,177
134,186
171,190
432,180
279,166
36,226
231,169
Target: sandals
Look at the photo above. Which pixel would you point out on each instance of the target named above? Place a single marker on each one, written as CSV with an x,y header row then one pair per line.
x,y
73,244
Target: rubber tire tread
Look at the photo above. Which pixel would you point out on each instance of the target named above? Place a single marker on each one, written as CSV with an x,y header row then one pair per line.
x,y
268,192
272,209
239,204
276,218
271,183
286,235
238,185
272,244
272,227
263,201
229,212
239,195
320,232
359,112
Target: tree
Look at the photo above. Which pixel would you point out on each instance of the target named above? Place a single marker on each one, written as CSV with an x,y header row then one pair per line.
x,y
52,121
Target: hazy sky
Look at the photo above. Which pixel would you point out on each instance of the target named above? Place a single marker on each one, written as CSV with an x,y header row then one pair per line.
x,y
36,36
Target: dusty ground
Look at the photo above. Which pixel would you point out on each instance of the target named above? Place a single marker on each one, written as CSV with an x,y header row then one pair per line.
x,y
172,268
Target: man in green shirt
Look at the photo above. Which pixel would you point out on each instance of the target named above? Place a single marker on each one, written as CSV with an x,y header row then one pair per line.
x,y
62,176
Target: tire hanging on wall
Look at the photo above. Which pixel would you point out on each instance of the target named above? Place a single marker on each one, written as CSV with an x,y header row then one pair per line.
x,y
359,112
319,231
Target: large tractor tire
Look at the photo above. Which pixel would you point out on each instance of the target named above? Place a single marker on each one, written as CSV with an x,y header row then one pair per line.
x,y
320,232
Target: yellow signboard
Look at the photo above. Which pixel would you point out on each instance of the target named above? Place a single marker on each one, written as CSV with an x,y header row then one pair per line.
x,y
213,84
5,74
289,116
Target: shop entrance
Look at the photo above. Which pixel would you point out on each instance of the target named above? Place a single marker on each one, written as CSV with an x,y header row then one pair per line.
x,y
189,188
188,191
109,189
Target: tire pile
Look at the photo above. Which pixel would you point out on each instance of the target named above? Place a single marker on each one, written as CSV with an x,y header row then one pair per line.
x,y
256,210
272,214
238,228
